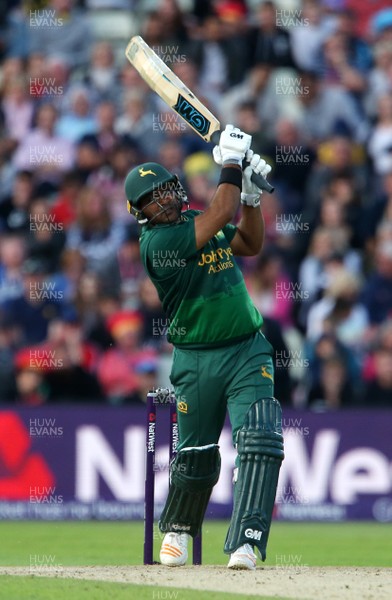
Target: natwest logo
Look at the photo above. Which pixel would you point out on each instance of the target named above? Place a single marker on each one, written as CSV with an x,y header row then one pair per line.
x,y
20,467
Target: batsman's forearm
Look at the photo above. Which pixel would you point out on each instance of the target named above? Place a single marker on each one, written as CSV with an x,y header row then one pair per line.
x,y
251,228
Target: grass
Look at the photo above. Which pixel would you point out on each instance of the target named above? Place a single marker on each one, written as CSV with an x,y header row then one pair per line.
x,y
118,543
29,588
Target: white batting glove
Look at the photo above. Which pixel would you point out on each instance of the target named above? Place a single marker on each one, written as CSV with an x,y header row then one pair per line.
x,y
250,195
233,145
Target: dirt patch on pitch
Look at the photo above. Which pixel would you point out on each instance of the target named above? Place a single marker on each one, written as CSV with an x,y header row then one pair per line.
x,y
304,583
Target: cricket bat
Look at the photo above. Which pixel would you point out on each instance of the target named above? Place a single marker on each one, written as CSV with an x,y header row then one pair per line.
x,y
178,96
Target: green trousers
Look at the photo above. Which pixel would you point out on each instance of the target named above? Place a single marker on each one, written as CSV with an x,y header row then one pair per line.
x,y
208,383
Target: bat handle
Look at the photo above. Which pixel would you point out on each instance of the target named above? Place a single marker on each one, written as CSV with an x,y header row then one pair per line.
x,y
258,179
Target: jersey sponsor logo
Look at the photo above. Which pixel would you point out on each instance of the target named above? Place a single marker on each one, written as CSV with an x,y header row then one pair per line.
x,y
253,534
264,373
182,407
143,173
218,260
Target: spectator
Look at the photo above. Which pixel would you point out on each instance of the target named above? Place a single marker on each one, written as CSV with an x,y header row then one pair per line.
x,y
378,392
109,179
380,142
117,367
248,119
9,344
339,67
101,76
65,362
96,236
69,36
43,151
12,255
338,110
106,135
78,121
14,210
32,312
258,87
334,389
380,77
271,289
147,379
131,268
293,164
18,109
46,239
308,36
323,350
377,293
31,389
63,210
89,157
340,312
338,159
268,43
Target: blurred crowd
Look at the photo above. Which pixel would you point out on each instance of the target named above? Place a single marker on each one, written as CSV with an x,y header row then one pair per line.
x,y
311,81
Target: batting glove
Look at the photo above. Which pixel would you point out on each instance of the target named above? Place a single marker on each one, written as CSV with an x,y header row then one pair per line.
x,y
250,195
233,145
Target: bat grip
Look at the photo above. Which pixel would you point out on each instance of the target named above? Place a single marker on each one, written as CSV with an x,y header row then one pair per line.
x,y
258,179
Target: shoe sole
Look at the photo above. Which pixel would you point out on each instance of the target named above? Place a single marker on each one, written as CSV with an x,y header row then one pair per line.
x,y
242,565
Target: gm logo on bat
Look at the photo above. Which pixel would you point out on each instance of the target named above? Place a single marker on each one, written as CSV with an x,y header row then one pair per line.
x,y
191,115
239,136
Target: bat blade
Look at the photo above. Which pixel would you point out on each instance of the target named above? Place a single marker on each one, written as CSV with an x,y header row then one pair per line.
x,y
175,93
170,88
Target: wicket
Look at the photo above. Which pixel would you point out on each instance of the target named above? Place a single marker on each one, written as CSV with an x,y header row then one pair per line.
x,y
162,396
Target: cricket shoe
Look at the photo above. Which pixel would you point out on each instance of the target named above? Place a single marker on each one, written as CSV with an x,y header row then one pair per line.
x,y
174,549
243,558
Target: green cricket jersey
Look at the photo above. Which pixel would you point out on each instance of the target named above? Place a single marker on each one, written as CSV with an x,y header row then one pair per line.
x,y
202,291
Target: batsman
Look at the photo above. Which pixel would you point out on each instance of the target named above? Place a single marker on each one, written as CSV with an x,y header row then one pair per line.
x,y
221,360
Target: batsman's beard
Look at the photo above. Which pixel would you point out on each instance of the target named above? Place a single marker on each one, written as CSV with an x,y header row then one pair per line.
x,y
171,210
